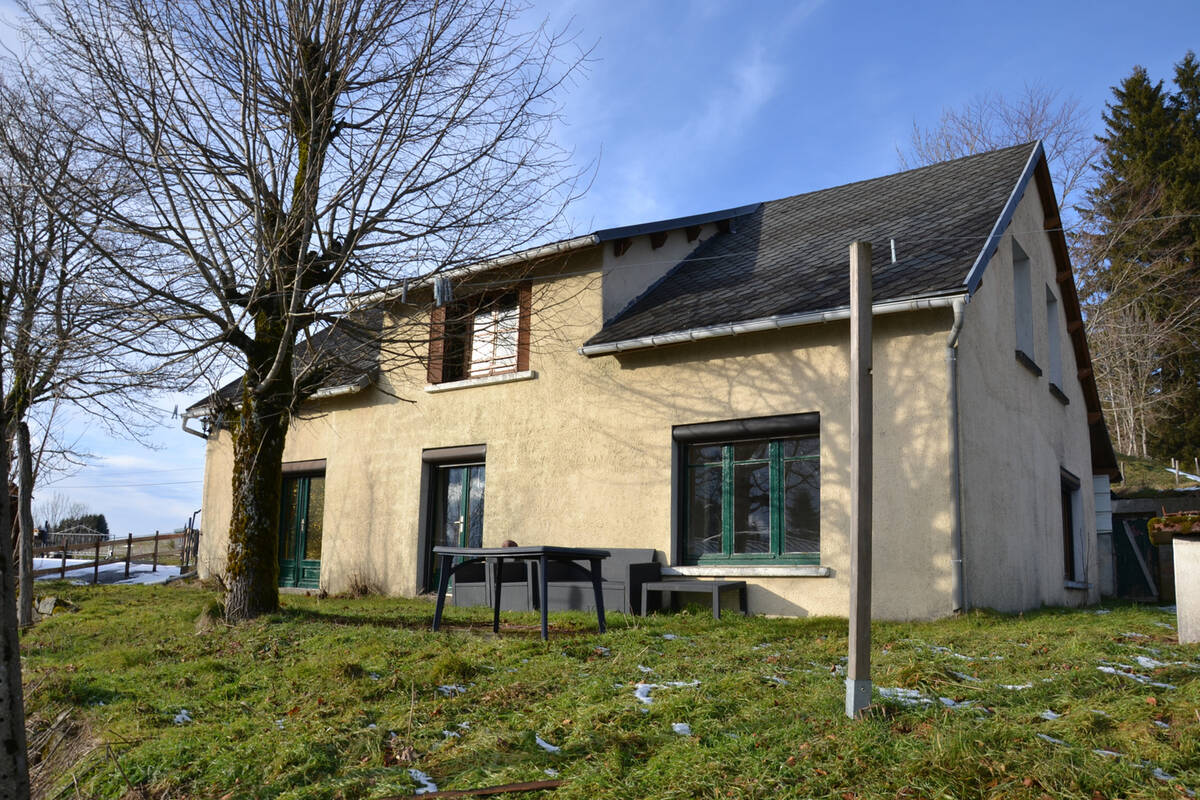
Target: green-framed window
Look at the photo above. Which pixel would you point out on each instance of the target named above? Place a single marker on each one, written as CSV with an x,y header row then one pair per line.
x,y
752,501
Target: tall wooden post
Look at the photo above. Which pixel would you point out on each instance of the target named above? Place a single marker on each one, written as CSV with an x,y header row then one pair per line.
x,y
155,567
128,553
858,671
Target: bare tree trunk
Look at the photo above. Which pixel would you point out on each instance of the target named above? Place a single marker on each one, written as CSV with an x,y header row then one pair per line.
x,y
252,570
25,515
14,769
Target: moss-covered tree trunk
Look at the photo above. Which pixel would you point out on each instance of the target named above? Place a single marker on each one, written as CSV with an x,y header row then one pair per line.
x,y
259,433
252,570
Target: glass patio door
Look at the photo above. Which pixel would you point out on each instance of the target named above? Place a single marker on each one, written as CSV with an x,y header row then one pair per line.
x,y
301,528
459,518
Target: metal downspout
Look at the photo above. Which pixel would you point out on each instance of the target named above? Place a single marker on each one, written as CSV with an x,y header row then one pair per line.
x,y
958,581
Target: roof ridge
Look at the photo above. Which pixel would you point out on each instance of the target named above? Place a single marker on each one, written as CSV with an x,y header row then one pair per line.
x,y
925,167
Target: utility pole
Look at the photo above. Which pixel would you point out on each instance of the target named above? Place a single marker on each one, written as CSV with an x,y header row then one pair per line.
x,y
858,671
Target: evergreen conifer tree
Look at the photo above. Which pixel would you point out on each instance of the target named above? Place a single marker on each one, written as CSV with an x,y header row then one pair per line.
x,y
1146,212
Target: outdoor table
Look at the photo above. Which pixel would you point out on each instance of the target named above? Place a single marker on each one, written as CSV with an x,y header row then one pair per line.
x,y
494,558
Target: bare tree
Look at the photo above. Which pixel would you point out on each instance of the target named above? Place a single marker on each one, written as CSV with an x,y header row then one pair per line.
x,y
294,154
991,121
57,507
64,324
1136,317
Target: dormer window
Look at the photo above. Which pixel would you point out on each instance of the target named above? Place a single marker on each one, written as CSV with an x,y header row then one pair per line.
x,y
479,337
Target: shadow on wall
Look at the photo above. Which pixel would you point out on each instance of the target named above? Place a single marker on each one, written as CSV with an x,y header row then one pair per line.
x,y
720,381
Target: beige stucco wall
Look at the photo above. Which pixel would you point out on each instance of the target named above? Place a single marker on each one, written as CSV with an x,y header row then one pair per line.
x,y
581,455
1016,437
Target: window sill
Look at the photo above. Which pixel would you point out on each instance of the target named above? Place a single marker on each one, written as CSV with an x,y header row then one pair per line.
x,y
745,571
1076,585
1026,361
1059,395
467,383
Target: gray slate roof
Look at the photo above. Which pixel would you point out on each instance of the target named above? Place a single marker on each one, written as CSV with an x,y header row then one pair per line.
x,y
347,351
791,256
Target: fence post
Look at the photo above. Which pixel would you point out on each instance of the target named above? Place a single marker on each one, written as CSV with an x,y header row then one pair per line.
x,y
128,552
155,567
96,564
62,570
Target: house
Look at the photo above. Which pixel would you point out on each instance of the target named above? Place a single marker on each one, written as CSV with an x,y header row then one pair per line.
x,y
684,385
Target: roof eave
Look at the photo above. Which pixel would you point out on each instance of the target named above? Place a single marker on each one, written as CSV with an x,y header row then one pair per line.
x,y
776,322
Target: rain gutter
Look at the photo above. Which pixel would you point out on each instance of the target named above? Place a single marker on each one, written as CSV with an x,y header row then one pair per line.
x,y
777,322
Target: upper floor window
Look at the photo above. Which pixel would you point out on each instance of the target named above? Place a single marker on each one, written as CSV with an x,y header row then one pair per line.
x,y
480,336
1023,309
1053,340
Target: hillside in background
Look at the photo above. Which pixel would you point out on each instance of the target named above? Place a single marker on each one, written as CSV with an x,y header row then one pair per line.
x,y
1144,477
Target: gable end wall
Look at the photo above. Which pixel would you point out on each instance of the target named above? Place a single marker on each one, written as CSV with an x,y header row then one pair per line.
x,y
1016,437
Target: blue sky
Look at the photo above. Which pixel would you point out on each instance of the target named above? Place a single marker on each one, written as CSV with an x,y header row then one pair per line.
x,y
696,106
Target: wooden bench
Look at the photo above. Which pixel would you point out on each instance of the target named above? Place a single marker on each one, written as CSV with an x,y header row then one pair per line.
x,y
695,586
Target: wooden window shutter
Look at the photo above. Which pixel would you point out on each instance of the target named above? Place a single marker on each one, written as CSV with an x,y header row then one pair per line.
x,y
437,343
524,302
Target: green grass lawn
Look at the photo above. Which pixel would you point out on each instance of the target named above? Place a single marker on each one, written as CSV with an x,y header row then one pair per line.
x,y
341,698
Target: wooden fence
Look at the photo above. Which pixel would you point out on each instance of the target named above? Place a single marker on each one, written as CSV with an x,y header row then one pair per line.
x,y
148,551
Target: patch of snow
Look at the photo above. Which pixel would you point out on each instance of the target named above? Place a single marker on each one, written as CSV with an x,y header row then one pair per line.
x,y
962,676
1100,713
1133,635
1158,772
682,728
642,690
1169,609
451,689
1107,753
279,724
1162,724
775,679
1134,676
553,773
372,726
1148,663
1181,474
950,702
1016,687
1102,611
449,735
542,743
908,697
1166,625
427,785
373,676
602,650
644,668
670,636
466,726
1052,740
82,570
183,717
1048,714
